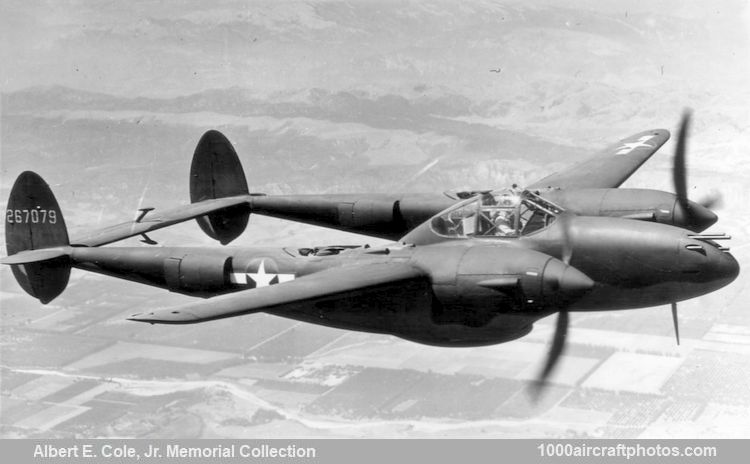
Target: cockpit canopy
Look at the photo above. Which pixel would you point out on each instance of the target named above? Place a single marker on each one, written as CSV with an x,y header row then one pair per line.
x,y
497,213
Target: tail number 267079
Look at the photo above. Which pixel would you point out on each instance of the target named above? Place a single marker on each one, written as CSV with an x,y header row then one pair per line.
x,y
32,216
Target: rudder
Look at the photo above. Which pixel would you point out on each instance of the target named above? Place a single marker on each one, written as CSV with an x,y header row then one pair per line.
x,y
33,220
216,172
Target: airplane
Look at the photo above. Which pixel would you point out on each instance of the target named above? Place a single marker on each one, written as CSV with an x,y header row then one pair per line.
x,y
476,269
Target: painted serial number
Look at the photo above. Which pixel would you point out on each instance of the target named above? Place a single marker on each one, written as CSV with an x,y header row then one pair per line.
x,y
31,216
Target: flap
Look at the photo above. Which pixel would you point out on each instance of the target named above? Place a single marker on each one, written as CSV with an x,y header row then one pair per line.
x,y
339,282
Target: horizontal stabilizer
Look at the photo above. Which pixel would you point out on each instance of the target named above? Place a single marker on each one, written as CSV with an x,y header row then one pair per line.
x,y
337,283
36,256
159,220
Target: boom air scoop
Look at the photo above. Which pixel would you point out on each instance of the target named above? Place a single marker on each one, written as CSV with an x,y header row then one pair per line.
x,y
216,172
33,221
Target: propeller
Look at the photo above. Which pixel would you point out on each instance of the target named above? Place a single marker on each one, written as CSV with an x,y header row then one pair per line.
x,y
557,347
674,320
567,246
713,200
556,350
696,215
679,170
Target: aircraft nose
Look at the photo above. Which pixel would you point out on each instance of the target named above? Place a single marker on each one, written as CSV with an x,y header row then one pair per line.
x,y
707,263
697,217
728,267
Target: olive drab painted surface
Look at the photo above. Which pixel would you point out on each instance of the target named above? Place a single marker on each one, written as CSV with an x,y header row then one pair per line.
x,y
33,220
216,172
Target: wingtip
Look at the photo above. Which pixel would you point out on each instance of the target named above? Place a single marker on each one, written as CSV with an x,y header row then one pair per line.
x,y
140,317
166,316
661,133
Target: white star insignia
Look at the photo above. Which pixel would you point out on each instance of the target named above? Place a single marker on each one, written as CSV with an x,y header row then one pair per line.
x,y
627,147
261,278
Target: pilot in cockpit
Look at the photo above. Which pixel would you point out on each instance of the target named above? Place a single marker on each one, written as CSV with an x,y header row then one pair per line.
x,y
503,223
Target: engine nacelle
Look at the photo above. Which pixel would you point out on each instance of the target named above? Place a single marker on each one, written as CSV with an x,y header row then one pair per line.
x,y
492,280
629,203
642,204
196,273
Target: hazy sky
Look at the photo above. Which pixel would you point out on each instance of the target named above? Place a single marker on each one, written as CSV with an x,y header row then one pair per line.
x,y
172,48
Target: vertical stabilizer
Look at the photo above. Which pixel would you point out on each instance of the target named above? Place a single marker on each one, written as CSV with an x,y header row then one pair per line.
x,y
216,172
33,221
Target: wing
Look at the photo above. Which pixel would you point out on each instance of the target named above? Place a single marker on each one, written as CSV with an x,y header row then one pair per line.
x,y
331,284
611,167
159,220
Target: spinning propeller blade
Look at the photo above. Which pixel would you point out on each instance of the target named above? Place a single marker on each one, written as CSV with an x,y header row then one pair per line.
x,y
674,320
697,215
679,170
712,200
561,327
555,351
567,246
